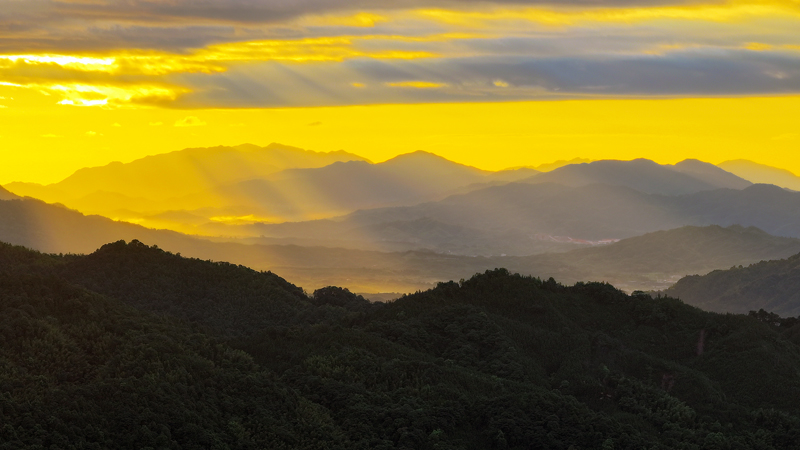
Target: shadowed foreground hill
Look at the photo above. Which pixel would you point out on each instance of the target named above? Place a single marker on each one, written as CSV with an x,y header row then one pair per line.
x,y
770,285
109,359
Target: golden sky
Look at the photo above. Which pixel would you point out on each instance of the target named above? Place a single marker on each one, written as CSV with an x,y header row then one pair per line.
x,y
491,84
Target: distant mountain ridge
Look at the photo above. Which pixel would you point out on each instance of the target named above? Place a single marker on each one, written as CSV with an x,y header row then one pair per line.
x,y
643,175
6,195
183,172
275,183
343,187
509,218
648,261
761,173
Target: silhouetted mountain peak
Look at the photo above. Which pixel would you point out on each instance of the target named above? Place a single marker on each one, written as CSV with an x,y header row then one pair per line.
x,y
421,161
416,156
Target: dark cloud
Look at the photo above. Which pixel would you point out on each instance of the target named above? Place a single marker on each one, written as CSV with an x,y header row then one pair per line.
x,y
167,24
688,73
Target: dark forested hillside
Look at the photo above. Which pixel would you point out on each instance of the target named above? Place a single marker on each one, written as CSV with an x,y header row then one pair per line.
x,y
134,347
770,285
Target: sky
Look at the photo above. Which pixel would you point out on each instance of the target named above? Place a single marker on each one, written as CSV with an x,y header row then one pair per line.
x,y
492,84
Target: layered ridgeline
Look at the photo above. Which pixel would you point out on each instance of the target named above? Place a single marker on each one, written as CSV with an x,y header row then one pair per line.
x,y
761,173
652,261
202,190
182,189
648,262
152,186
770,285
686,177
133,347
525,218
343,187
181,172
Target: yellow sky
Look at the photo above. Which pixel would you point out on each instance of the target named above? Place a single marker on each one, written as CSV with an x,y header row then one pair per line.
x,y
491,84
46,145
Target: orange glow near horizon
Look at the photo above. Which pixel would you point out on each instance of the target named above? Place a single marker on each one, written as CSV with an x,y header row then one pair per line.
x,y
45,145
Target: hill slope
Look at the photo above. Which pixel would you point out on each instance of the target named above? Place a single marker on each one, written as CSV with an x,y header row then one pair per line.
x,y
497,361
6,195
83,370
770,285
761,173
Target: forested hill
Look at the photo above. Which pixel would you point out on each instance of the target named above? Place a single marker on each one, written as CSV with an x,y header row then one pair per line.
x,y
133,347
770,285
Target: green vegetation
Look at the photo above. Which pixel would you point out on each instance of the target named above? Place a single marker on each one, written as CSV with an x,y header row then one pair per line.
x,y
134,347
770,285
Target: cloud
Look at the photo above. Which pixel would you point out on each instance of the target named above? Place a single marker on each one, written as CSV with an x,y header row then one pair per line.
x,y
93,133
157,124
116,124
189,121
254,53
51,136
786,137
315,124
692,72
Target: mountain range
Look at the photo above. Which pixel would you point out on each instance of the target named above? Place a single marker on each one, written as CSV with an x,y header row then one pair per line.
x,y
523,218
249,183
343,187
478,220
200,191
183,172
648,262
